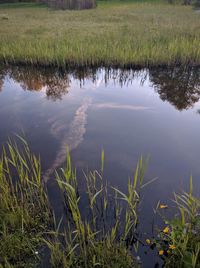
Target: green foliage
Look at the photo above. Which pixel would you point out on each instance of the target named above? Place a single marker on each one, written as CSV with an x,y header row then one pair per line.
x,y
71,4
197,3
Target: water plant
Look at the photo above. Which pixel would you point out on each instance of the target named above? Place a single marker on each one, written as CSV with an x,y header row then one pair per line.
x,y
101,220
102,234
99,226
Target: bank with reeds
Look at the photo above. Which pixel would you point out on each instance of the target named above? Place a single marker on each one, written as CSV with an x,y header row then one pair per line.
x,y
115,33
99,225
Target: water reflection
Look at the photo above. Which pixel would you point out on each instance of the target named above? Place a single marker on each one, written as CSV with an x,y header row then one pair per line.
x,y
56,83
1,84
178,86
2,76
122,111
72,138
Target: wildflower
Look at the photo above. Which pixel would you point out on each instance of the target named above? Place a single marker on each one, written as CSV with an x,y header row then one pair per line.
x,y
36,252
166,230
161,252
194,232
162,206
172,247
148,241
168,251
138,258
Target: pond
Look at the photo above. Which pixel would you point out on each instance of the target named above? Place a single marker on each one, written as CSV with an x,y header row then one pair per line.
x,y
128,113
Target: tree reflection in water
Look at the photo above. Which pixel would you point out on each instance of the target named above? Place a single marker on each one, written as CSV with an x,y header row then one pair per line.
x,y
177,85
55,83
1,84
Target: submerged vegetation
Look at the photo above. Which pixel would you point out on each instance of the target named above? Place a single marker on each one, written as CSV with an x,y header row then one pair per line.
x,y
99,223
116,33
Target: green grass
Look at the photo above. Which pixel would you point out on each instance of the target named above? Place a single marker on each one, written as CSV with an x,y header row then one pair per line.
x,y
116,33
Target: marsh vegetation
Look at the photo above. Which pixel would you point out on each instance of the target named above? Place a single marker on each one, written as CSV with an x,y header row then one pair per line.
x,y
116,33
101,233
28,224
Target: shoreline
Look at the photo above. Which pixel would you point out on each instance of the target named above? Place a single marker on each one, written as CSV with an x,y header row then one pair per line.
x,y
68,66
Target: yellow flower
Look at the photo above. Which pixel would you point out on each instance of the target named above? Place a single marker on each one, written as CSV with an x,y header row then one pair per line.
x,y
166,230
163,206
161,252
172,246
148,241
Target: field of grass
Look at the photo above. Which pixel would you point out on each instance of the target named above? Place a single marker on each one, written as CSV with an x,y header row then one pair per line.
x,y
114,34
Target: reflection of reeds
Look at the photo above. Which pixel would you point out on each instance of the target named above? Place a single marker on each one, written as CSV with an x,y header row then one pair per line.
x,y
178,85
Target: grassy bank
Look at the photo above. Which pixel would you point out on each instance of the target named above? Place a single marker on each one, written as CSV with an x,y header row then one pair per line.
x,y
99,227
116,33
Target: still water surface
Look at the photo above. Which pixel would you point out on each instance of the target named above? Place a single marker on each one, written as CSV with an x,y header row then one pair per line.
x,y
128,113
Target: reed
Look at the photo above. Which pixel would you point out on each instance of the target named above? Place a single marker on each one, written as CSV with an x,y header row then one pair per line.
x,y
25,214
103,233
99,227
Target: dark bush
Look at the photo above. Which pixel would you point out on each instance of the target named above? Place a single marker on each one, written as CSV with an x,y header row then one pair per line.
x,y
71,4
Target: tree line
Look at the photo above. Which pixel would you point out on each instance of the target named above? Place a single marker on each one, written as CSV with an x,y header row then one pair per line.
x,y
84,4
61,4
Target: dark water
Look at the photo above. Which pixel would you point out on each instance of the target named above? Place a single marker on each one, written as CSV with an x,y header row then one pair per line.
x,y
129,113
